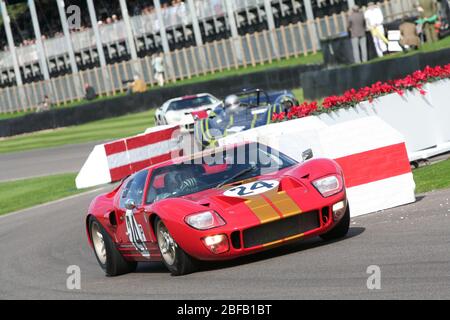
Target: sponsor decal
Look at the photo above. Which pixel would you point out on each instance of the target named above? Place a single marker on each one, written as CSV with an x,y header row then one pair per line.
x,y
136,234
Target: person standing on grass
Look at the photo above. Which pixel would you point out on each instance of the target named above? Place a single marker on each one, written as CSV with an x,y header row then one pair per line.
x,y
357,29
158,68
374,20
428,12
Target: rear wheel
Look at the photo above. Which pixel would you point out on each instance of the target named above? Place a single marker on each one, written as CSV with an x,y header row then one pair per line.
x,y
340,230
174,258
108,257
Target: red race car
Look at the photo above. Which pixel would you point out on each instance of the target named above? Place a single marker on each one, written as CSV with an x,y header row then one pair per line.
x,y
219,205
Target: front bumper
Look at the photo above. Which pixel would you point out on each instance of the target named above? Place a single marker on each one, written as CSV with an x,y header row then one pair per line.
x,y
250,239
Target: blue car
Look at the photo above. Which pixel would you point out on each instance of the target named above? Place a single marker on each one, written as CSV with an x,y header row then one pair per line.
x,y
243,111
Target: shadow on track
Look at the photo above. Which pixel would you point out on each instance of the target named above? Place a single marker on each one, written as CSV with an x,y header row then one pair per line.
x,y
291,248
294,247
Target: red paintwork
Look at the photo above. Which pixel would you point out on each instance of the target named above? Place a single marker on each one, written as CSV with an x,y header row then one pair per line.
x,y
296,181
200,115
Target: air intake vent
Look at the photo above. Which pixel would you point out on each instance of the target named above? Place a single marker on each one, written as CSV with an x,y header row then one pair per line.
x,y
236,240
281,229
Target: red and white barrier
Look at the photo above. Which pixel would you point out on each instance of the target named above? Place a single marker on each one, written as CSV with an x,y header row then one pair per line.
x,y
116,160
372,154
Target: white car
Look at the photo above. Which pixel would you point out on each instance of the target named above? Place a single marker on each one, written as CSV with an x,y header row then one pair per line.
x,y
183,111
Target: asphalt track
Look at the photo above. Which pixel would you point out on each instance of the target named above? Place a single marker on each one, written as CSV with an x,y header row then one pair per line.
x,y
410,244
44,162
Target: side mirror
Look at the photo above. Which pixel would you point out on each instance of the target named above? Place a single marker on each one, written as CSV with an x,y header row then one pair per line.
x,y
307,154
130,204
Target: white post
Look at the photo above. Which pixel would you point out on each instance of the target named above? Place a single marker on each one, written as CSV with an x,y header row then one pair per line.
x,y
163,34
310,16
233,28
65,26
162,27
98,39
72,59
271,24
231,18
39,44
195,24
129,30
99,43
269,14
11,45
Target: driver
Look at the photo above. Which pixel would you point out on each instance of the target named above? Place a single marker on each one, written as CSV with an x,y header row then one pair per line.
x,y
174,184
287,103
232,103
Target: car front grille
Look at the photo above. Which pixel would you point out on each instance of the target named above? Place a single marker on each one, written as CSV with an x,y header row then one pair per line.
x,y
280,229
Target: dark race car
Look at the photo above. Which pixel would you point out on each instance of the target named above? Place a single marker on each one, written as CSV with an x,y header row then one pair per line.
x,y
246,110
222,204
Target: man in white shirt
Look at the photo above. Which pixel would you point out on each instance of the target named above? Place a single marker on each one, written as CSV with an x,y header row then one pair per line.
x,y
158,68
374,21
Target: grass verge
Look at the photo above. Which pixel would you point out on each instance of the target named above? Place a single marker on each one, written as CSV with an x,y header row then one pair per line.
x,y
108,129
433,177
22,194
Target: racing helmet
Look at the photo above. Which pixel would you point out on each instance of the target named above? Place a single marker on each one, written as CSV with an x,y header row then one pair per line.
x,y
172,180
287,102
232,103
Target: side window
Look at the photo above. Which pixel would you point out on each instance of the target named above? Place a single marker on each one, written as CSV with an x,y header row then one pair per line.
x,y
134,189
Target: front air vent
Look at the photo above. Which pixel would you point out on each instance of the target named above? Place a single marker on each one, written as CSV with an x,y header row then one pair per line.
x,y
236,240
281,229
325,215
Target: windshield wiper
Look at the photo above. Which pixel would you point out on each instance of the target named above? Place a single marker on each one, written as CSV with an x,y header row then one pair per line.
x,y
237,175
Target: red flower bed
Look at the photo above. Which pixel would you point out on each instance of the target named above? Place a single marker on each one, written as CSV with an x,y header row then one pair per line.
x,y
352,97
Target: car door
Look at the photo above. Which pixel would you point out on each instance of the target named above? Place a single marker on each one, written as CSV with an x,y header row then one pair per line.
x,y
134,226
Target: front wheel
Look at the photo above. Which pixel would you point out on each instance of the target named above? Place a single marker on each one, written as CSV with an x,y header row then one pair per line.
x,y
340,230
108,257
174,258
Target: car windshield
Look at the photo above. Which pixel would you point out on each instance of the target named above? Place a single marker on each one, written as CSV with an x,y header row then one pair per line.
x,y
191,102
254,98
214,170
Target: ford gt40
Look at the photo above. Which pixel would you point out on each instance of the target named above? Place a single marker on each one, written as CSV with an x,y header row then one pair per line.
x,y
221,204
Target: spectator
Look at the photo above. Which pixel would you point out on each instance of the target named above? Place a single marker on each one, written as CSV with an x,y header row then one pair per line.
x,y
137,86
89,92
45,105
428,13
374,21
357,28
409,38
158,68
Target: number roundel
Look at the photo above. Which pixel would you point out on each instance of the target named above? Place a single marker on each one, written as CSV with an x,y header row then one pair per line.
x,y
252,189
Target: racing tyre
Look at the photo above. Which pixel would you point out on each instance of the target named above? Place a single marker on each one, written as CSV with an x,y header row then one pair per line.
x,y
174,258
340,230
109,258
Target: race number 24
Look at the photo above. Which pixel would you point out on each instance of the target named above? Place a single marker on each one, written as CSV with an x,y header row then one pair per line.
x,y
253,188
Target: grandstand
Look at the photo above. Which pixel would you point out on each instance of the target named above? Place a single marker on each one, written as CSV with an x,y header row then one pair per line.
x,y
177,32
250,17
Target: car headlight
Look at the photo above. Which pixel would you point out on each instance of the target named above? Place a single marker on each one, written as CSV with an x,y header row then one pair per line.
x,y
329,186
205,220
